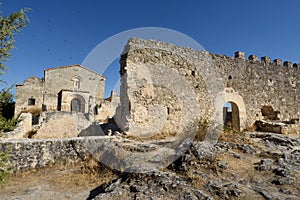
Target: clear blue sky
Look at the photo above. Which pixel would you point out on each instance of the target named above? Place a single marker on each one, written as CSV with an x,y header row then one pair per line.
x,y
63,32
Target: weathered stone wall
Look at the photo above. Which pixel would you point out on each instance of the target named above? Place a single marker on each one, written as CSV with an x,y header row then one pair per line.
x,y
262,83
36,153
161,88
164,86
108,107
31,88
61,125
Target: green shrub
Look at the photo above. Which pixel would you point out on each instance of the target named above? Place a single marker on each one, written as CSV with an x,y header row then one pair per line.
x,y
7,124
7,120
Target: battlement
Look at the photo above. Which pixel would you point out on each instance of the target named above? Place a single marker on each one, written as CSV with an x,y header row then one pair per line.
x,y
266,60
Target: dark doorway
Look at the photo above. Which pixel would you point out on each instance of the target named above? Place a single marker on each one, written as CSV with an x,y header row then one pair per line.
x,y
59,95
231,116
76,105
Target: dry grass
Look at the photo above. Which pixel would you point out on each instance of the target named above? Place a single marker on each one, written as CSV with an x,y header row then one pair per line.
x,y
35,111
158,136
87,175
250,128
230,135
202,128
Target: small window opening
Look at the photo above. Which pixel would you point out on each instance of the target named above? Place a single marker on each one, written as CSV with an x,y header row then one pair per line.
x,y
193,73
168,110
230,77
31,101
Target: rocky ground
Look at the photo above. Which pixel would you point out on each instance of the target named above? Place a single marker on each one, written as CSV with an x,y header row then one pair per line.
x,y
247,165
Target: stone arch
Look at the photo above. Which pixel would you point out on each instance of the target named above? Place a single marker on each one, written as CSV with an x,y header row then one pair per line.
x,y
77,103
229,95
231,115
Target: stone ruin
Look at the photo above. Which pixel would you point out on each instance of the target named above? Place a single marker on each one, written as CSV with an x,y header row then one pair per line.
x,y
64,102
165,91
166,88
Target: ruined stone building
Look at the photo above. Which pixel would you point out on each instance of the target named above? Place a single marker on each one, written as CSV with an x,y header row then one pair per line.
x,y
69,88
165,88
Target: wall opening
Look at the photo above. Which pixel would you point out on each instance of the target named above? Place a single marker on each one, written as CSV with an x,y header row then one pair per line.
x,y
269,113
231,116
31,101
76,105
59,96
229,81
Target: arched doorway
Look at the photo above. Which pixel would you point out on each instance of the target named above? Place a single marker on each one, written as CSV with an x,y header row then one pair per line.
x,y
231,116
229,97
78,104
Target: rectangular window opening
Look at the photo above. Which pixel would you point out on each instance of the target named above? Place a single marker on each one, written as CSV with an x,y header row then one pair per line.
x,y
31,102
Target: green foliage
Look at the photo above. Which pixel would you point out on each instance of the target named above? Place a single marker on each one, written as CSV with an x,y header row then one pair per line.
x,y
7,121
7,104
9,25
7,124
4,167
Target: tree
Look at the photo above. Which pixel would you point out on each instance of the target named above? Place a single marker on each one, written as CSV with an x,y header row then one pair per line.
x,y
7,104
9,26
7,107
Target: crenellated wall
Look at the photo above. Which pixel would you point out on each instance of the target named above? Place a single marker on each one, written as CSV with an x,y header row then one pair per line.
x,y
263,83
164,87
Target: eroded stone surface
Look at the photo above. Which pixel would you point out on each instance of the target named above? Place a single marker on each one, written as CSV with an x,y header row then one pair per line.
x,y
165,87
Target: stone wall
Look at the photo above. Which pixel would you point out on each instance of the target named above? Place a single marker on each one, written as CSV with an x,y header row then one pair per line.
x,y
36,153
31,88
108,107
164,88
61,125
262,83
